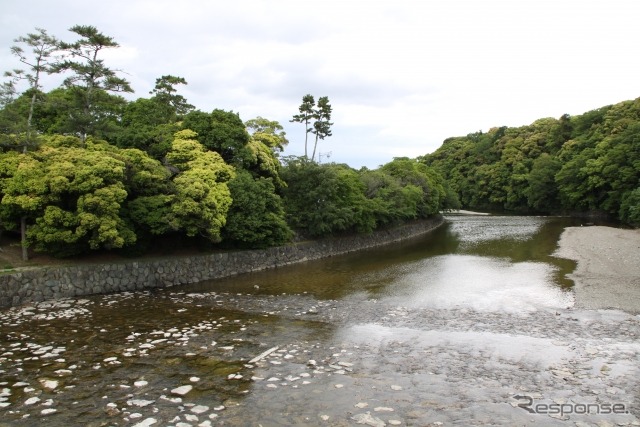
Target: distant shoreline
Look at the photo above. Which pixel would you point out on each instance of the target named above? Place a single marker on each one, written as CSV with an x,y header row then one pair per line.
x,y
608,272
464,212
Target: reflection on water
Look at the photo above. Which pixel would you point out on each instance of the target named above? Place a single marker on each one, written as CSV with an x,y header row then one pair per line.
x,y
480,283
481,262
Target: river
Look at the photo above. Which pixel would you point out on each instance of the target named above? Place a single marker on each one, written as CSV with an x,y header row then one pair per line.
x,y
472,324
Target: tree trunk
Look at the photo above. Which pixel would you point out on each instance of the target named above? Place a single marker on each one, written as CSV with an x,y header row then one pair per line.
x,y
23,238
315,144
306,137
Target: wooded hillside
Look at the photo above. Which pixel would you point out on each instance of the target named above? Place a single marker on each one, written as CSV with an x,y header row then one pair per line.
x,y
574,164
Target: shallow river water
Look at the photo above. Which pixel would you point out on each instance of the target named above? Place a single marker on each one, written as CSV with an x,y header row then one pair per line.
x,y
473,324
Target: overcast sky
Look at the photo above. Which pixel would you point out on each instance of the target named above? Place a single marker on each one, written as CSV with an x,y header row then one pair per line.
x,y
401,75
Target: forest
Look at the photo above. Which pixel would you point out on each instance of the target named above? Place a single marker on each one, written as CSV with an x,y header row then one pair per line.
x,y
83,169
574,165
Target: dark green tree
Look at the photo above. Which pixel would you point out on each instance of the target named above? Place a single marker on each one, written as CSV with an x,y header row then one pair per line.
x,y
91,81
322,124
165,93
38,61
220,131
392,202
307,113
325,199
256,218
431,184
542,192
148,126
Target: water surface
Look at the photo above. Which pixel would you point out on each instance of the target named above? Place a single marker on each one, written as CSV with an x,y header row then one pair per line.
x,y
479,298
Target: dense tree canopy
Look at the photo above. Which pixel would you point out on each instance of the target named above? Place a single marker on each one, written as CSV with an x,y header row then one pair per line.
x,y
585,163
84,169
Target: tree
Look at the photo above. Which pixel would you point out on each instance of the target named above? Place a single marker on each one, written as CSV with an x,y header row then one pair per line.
x,y
630,207
42,48
431,184
392,202
270,133
147,125
256,218
323,199
307,113
165,94
202,197
72,196
91,79
321,116
321,125
542,192
24,192
220,131
262,162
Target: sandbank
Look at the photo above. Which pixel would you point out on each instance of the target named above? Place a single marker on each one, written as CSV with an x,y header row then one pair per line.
x,y
607,275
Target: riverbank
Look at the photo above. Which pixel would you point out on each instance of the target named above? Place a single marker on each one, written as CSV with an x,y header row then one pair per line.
x,y
608,270
56,282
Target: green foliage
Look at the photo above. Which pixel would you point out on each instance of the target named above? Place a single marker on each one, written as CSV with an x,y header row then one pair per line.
x,y
90,82
262,161
430,183
268,132
305,116
325,199
103,173
542,192
391,201
71,196
43,46
256,218
589,162
147,125
630,208
318,116
165,94
322,125
221,131
202,197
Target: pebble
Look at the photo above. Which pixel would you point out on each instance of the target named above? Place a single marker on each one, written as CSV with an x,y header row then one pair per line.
x,y
140,403
368,419
182,390
49,384
285,374
199,409
146,422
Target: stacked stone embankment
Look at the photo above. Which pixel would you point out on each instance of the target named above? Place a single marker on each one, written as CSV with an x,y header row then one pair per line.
x,y
45,283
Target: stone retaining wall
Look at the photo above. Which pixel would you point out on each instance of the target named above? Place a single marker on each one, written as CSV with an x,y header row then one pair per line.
x,y
69,281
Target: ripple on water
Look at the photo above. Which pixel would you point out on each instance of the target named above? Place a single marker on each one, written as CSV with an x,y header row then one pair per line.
x,y
479,283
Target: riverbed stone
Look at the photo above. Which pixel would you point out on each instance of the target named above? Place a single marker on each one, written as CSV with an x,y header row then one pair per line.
x,y
182,390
